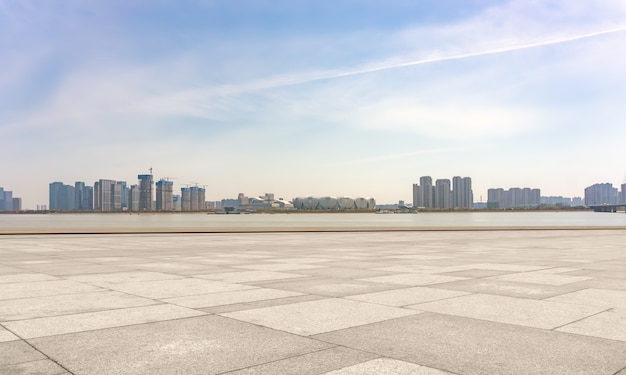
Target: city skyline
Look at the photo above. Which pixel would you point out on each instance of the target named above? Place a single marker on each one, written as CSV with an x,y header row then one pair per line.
x,y
162,191
313,98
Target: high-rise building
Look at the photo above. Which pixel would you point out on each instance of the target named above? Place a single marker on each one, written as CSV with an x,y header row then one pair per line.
x,y
83,196
443,194
185,194
622,199
8,201
88,198
116,196
79,191
176,203
103,195
598,194
124,194
145,192
164,195
54,194
417,196
97,206
495,198
17,204
463,196
428,193
424,194
61,197
1,199
201,199
194,199
133,198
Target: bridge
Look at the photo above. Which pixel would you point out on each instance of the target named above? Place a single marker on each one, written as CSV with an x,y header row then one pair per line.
x,y
609,207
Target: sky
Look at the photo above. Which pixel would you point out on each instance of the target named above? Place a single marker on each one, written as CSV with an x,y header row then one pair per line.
x,y
320,97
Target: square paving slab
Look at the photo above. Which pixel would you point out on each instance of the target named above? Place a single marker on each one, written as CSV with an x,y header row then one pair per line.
x,y
413,279
531,313
43,288
202,345
28,308
248,276
407,296
609,325
540,277
58,325
508,288
25,278
310,318
595,297
310,364
229,298
177,287
106,280
330,287
476,347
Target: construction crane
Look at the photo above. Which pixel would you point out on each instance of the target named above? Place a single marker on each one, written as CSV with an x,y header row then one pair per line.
x,y
167,178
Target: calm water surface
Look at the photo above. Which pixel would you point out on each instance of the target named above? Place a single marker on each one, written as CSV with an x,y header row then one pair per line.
x,y
201,220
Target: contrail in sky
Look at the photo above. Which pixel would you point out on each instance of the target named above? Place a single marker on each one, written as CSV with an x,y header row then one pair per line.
x,y
473,54
298,79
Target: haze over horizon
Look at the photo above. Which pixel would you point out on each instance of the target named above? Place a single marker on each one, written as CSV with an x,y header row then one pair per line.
x,y
313,97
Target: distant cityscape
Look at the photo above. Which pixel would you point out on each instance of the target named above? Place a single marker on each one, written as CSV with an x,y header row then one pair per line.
x,y
456,194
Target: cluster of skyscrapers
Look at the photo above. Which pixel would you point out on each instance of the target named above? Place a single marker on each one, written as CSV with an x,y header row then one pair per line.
x,y
513,198
8,202
604,193
111,196
444,194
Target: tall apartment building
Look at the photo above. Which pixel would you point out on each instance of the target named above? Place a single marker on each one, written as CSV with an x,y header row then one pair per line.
x,y
8,200
185,199
145,192
443,195
424,193
598,194
116,196
83,196
133,198
17,204
463,196
164,195
104,195
124,194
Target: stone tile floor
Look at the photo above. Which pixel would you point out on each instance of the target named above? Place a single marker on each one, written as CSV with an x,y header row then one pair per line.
x,y
453,302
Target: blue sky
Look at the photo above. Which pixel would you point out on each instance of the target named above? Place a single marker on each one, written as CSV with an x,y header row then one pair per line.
x,y
313,97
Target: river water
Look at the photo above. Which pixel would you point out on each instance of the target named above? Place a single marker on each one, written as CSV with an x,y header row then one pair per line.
x,y
316,220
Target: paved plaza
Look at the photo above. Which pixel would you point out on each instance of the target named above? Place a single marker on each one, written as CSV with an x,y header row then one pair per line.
x,y
423,302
